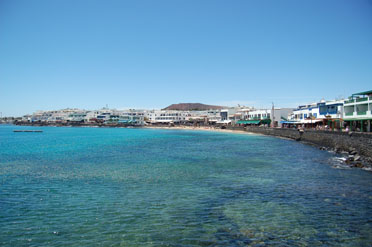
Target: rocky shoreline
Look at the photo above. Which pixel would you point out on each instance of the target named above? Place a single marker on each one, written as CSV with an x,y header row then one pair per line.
x,y
352,158
355,148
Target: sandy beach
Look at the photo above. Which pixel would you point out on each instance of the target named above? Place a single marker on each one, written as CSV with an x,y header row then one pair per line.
x,y
200,129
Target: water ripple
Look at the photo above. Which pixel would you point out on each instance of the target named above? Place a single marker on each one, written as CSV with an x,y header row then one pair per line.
x,y
134,187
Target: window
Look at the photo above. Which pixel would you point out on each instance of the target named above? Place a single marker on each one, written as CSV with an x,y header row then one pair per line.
x,y
323,110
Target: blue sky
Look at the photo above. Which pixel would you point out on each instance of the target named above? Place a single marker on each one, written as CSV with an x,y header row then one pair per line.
x,y
149,54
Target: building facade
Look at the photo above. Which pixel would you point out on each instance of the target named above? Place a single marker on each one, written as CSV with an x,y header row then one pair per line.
x,y
324,114
166,117
358,111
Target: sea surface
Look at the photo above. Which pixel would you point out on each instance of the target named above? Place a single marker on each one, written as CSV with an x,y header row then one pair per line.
x,y
153,187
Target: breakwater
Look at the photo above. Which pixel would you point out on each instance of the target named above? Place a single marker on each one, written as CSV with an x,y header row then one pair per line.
x,y
354,143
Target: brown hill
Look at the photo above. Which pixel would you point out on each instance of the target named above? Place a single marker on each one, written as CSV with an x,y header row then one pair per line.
x,y
192,107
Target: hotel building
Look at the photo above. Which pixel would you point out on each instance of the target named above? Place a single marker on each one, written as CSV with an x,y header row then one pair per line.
x,y
358,111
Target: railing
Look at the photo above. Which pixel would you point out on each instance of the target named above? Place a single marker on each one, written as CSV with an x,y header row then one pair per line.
x,y
361,99
362,113
349,114
349,101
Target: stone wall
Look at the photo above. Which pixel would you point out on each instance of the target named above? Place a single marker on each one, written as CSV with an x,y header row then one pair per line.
x,y
342,141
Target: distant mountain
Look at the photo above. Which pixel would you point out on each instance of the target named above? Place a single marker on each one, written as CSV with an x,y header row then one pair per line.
x,y
192,107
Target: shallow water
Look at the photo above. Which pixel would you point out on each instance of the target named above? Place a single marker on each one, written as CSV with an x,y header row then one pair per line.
x,y
150,187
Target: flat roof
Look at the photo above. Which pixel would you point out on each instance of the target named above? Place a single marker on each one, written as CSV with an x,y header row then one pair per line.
x,y
363,93
357,119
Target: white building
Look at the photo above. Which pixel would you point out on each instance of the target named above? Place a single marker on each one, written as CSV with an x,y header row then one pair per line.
x,y
78,116
270,117
358,111
166,117
227,116
208,117
305,112
132,117
328,113
257,117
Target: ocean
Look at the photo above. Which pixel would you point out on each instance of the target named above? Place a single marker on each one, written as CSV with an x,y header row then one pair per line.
x,y
159,187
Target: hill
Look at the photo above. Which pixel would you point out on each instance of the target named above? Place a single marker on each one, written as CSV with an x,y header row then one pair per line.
x,y
192,107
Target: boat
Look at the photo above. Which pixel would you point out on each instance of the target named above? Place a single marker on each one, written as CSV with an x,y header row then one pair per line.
x,y
38,131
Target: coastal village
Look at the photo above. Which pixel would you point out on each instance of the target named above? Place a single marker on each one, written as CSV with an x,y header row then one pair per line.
x,y
351,114
186,123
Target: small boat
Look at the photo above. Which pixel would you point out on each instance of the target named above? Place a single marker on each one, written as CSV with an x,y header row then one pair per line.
x,y
38,131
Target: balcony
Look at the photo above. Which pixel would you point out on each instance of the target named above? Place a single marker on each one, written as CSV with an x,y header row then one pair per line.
x,y
362,99
349,101
259,118
349,114
362,113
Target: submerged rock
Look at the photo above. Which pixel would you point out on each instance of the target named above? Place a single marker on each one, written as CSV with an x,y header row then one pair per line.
x,y
358,164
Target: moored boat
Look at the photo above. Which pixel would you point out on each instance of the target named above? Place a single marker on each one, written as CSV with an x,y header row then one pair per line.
x,y
38,131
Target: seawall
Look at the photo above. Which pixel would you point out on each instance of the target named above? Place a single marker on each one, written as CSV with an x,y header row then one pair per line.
x,y
339,141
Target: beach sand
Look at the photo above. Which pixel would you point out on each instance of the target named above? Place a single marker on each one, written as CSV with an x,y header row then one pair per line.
x,y
203,128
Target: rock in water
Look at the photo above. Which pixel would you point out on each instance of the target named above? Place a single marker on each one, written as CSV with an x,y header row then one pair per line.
x,y
359,165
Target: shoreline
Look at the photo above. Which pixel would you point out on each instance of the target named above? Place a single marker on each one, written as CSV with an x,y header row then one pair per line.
x,y
181,127
210,129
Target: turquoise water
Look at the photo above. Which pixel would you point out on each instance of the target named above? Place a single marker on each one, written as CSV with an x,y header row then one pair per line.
x,y
148,187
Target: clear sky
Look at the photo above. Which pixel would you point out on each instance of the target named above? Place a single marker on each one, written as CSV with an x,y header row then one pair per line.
x,y
149,54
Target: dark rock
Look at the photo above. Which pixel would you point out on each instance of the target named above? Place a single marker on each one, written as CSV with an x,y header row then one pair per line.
x,y
353,152
359,165
360,144
369,160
